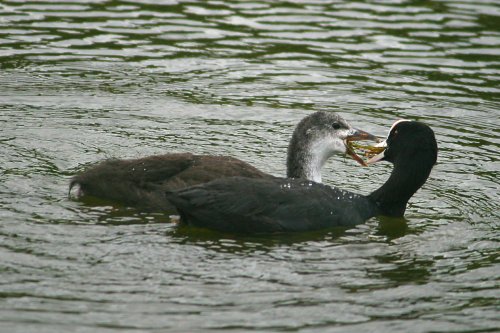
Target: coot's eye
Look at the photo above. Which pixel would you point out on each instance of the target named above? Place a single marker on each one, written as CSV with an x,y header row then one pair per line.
x,y
336,126
393,133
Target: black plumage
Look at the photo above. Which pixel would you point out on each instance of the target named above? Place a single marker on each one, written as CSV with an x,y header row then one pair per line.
x,y
243,205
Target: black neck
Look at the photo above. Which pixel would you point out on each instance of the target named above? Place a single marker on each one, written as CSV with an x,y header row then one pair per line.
x,y
406,178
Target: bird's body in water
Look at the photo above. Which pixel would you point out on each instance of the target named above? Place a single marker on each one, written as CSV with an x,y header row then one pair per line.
x,y
142,183
243,205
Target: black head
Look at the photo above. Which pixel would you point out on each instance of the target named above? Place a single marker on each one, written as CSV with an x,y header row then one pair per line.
x,y
412,148
406,141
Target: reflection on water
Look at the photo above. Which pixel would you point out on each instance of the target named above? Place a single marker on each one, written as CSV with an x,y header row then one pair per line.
x,y
85,80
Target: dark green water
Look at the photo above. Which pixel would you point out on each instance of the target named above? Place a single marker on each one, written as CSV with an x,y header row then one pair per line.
x,y
81,81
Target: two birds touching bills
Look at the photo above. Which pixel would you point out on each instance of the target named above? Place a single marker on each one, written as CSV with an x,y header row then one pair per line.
x,y
229,195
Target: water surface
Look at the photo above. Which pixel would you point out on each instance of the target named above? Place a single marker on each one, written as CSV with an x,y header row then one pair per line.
x,y
81,81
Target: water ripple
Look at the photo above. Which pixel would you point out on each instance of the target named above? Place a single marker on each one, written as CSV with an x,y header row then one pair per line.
x,y
86,80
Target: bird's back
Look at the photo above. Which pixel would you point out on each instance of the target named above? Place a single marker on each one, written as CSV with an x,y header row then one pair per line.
x,y
269,205
142,182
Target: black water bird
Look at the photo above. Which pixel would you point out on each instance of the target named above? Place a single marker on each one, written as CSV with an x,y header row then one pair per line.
x,y
142,182
243,205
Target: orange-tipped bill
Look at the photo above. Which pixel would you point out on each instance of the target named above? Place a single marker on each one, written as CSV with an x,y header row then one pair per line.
x,y
359,135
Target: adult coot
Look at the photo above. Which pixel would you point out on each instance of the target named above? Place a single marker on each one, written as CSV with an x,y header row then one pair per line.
x,y
244,205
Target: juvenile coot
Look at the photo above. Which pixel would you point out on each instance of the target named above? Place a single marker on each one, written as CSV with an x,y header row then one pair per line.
x,y
243,205
142,182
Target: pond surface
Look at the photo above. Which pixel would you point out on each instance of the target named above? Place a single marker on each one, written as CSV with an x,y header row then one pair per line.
x,y
82,81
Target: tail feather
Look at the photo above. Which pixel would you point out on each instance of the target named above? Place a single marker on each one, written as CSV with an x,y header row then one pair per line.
x,y
75,182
